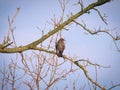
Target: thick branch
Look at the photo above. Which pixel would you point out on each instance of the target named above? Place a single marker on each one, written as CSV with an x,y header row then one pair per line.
x,y
60,27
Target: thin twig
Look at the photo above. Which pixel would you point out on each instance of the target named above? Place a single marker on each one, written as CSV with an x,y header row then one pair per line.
x,y
102,17
117,85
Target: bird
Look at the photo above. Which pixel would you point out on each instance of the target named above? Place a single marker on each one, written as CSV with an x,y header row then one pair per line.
x,y
60,46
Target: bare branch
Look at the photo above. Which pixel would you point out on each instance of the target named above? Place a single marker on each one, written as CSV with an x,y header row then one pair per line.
x,y
80,2
95,32
94,64
88,77
40,66
116,45
102,17
85,72
60,27
11,27
114,86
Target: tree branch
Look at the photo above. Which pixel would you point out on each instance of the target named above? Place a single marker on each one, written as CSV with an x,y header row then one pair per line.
x,y
102,17
117,85
79,65
60,27
96,31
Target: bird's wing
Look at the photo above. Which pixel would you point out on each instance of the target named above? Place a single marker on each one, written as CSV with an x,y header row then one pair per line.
x,y
57,47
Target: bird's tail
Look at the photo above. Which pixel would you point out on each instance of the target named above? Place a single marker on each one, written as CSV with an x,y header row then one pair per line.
x,y
59,54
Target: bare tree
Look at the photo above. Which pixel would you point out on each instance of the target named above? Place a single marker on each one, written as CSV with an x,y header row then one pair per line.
x,y
42,65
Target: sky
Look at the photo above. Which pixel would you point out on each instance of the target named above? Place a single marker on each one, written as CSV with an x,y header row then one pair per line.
x,y
97,48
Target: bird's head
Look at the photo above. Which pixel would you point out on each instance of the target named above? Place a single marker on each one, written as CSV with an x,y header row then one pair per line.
x,y
62,39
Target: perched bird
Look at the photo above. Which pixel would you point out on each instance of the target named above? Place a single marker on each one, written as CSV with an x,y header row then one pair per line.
x,y
60,46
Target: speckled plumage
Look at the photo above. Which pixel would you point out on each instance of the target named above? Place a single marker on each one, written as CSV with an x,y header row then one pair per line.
x,y
60,46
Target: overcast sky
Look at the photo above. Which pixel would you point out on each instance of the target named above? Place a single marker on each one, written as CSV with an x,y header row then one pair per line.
x,y
98,48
